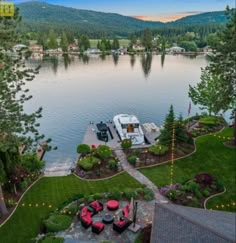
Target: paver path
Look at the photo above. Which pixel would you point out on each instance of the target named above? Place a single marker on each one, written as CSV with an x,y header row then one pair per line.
x,y
139,176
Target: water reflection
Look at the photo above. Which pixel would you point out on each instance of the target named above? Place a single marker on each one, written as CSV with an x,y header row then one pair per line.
x,y
67,60
115,58
132,60
103,56
54,60
163,59
84,58
146,61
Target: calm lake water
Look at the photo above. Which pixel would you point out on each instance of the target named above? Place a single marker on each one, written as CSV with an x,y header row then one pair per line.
x,y
74,91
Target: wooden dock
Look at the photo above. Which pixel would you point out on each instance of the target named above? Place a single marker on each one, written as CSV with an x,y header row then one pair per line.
x,y
90,137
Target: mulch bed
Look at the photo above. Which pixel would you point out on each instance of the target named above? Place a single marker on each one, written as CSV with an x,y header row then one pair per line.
x,y
146,158
93,174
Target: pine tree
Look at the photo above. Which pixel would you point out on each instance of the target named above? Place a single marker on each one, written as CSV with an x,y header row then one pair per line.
x,y
115,44
16,126
180,131
166,133
64,42
52,42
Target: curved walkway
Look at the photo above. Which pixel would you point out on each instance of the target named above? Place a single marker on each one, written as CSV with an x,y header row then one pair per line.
x,y
139,176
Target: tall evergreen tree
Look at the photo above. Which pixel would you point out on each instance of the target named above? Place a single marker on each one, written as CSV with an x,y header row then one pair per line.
x,y
180,131
147,39
115,44
84,43
52,42
16,126
166,133
64,42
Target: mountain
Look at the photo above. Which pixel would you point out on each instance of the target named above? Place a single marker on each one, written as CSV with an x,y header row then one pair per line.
x,y
43,16
202,18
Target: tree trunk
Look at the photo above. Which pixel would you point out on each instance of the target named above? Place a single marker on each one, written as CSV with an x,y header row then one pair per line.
x,y
3,208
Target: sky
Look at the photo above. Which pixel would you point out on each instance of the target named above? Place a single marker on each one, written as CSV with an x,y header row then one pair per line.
x,y
156,10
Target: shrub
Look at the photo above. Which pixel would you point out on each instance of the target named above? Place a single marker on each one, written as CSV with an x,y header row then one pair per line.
x,y
90,199
137,152
57,222
129,192
132,159
25,183
104,151
83,149
172,195
112,164
88,163
158,149
148,197
98,196
198,194
139,190
126,144
70,209
31,162
205,192
52,239
191,186
115,194
204,179
148,192
209,121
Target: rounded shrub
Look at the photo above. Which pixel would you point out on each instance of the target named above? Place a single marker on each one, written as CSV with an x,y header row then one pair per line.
x,y
158,149
57,222
112,164
115,194
129,192
52,239
132,159
88,163
83,149
104,151
126,144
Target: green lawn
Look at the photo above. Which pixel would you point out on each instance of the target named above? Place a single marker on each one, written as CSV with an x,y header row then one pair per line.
x,y
25,222
212,157
123,42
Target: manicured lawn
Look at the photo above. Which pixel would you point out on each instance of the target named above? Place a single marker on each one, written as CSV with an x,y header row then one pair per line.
x,y
212,157
25,222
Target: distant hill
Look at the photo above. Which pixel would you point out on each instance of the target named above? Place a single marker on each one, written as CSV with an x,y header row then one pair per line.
x,y
40,16
202,18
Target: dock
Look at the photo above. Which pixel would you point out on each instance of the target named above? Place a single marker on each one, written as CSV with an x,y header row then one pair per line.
x,y
151,133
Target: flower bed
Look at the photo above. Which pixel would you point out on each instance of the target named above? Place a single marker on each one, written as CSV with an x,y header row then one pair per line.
x,y
193,192
97,163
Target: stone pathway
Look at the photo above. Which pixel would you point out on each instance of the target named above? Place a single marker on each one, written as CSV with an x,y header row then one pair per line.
x,y
139,176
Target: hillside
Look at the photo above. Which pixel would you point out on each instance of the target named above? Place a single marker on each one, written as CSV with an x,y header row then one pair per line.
x,y
203,18
42,16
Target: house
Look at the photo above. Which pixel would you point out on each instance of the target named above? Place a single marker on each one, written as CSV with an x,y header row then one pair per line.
x,y
138,47
175,50
73,47
179,224
36,48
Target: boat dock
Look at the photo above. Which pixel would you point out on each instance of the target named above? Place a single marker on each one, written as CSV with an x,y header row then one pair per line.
x,y
151,133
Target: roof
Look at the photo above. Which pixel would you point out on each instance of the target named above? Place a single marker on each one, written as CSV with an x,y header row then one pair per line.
x,y
179,224
127,119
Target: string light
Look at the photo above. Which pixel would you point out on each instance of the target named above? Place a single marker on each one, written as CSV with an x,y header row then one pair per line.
x,y
232,204
172,155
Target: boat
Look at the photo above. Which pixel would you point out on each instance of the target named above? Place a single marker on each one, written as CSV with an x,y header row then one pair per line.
x,y
128,127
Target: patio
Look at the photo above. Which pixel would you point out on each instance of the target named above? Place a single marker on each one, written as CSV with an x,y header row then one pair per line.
x,y
77,233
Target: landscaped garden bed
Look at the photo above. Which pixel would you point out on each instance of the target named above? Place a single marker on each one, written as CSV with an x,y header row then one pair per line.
x,y
204,124
193,192
153,155
96,163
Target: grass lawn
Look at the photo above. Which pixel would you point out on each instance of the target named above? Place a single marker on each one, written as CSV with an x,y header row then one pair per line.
x,y
25,222
123,42
212,157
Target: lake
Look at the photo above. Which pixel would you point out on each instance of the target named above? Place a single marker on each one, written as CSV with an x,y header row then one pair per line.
x,y
74,91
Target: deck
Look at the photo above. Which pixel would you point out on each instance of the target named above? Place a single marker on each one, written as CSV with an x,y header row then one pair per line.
x,y
90,137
